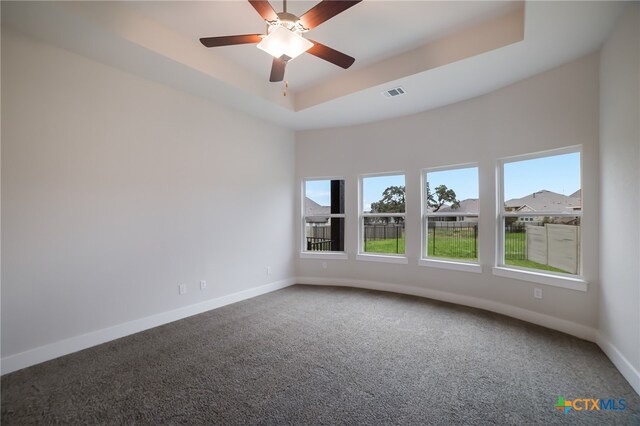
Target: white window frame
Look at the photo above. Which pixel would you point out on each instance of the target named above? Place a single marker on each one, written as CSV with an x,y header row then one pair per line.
x,y
334,255
379,257
556,279
439,262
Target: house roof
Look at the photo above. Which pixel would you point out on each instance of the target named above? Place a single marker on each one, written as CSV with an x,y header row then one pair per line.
x,y
470,206
545,201
311,208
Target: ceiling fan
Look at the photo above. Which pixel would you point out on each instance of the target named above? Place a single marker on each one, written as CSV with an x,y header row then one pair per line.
x,y
284,39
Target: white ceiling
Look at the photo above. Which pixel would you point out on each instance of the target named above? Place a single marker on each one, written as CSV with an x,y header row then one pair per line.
x,y
159,41
369,31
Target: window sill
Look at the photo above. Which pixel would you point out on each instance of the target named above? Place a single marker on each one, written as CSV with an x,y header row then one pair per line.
x,y
542,278
327,255
451,265
382,258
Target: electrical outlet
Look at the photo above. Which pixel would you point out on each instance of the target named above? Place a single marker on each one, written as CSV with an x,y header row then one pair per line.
x,y
537,293
182,289
203,284
268,270
324,265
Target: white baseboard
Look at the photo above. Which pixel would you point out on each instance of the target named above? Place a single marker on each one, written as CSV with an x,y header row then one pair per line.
x,y
569,327
584,332
64,347
627,370
77,343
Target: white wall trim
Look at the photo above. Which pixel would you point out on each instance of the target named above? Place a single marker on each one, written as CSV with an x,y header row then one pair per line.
x,y
73,344
324,255
64,347
559,324
451,265
631,374
572,283
383,258
623,365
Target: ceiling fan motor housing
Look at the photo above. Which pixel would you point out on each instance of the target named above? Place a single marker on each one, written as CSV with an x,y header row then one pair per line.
x,y
288,21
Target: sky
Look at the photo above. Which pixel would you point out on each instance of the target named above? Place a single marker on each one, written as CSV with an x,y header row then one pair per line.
x,y
560,173
463,181
374,186
319,191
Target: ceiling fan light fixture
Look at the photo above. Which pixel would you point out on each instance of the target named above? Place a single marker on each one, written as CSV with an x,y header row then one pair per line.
x,y
282,41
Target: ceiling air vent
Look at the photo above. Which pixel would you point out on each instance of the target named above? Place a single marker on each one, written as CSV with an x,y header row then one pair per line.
x,y
396,91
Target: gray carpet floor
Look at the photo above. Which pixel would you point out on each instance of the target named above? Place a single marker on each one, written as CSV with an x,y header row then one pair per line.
x,y
325,355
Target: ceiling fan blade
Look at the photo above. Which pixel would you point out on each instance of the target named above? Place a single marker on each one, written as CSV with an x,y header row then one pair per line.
x,y
324,11
331,55
264,9
230,40
277,68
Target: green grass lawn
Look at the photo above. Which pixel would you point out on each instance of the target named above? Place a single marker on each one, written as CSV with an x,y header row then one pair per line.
x,y
445,247
452,244
461,247
532,265
389,246
515,244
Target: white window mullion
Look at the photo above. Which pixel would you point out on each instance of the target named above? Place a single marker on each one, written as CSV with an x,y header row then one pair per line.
x,y
442,244
543,239
318,237
381,238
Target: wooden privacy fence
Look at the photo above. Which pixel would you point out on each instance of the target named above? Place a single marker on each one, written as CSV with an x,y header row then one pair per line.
x,y
319,238
550,244
383,231
390,232
555,245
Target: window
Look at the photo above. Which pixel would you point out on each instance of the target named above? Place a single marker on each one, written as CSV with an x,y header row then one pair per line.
x,y
382,214
450,213
323,210
541,209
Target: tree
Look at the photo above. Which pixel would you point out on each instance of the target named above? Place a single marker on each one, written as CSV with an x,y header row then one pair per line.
x,y
444,195
392,201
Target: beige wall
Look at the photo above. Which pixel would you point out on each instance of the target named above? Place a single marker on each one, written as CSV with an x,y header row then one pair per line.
x,y
116,189
619,186
558,108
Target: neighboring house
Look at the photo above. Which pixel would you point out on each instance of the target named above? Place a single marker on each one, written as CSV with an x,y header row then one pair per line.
x,y
545,202
468,211
311,208
526,209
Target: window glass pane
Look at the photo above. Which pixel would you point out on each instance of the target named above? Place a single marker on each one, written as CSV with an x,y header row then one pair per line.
x,y
383,194
324,234
542,185
452,195
547,243
323,197
452,191
538,189
383,235
450,238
